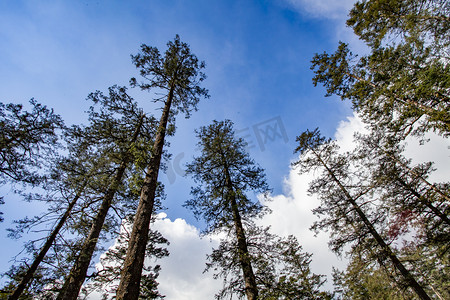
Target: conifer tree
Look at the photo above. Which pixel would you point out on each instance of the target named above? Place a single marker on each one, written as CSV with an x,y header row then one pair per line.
x,y
403,84
178,75
281,267
25,139
71,186
413,201
345,198
120,126
226,174
96,153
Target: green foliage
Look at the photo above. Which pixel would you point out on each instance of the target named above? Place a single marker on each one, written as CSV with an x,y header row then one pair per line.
x,y
431,262
400,88
178,70
113,120
281,267
403,84
106,277
221,154
376,21
25,139
363,279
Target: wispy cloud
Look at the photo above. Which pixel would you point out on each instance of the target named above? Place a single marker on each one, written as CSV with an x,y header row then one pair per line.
x,y
328,9
332,11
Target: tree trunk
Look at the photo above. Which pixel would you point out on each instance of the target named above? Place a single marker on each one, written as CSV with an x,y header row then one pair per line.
x,y
391,255
130,277
411,171
425,201
387,251
74,281
251,289
28,277
432,186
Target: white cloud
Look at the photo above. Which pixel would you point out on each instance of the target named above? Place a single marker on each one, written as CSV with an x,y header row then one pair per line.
x,y
329,9
346,130
292,215
435,150
292,211
182,274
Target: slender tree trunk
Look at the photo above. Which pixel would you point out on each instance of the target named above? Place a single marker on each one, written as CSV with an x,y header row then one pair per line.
x,y
74,281
432,186
28,277
130,277
411,171
425,201
251,289
387,251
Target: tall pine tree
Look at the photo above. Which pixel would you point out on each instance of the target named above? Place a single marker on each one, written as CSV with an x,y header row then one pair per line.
x,y
26,140
178,75
281,268
345,197
120,126
226,174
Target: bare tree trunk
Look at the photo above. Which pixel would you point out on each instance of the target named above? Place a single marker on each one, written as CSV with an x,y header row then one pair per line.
x,y
251,289
28,277
74,281
387,251
130,277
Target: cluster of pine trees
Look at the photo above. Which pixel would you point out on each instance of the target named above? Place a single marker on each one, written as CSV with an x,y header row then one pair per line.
x,y
381,208
100,180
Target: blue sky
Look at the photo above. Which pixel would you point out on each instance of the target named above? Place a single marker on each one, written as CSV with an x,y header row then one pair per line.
x,y
257,56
